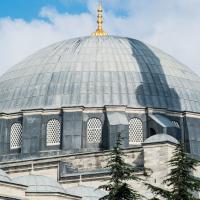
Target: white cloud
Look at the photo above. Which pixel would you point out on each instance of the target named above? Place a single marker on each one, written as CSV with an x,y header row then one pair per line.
x,y
171,25
19,38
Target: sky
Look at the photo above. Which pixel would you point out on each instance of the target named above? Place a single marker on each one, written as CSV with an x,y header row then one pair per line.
x,y
29,25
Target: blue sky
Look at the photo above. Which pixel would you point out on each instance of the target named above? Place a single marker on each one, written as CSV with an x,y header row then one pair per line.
x,y
29,9
29,25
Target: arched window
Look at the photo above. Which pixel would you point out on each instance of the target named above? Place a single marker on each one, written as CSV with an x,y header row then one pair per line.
x,y
16,136
53,132
135,131
177,125
152,132
94,131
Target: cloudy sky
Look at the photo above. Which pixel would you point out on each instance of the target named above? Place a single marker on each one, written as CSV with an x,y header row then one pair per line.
x,y
28,25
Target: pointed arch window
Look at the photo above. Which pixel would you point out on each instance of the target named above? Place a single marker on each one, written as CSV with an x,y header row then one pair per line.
x,y
94,131
53,132
135,131
16,136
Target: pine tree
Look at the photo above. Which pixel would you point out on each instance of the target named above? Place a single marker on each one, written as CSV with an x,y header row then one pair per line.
x,y
183,185
120,172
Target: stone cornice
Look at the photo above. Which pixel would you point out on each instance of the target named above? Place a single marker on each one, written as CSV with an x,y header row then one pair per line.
x,y
113,108
107,108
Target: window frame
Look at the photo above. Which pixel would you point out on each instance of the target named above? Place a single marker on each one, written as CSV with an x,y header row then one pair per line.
x,y
99,130
13,134
49,133
141,131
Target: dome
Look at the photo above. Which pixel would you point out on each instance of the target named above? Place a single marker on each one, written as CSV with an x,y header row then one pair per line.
x,y
86,192
4,177
99,71
39,184
159,138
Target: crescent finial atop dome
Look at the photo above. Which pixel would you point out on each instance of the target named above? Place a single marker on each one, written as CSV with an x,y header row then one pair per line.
x,y
100,31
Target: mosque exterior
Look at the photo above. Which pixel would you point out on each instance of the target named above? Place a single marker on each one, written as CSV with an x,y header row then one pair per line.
x,y
62,107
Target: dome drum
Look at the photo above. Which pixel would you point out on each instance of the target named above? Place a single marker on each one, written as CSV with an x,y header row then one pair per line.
x,y
71,130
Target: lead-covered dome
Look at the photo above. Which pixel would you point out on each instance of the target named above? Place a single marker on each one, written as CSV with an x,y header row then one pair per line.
x,y
37,184
99,71
86,192
4,177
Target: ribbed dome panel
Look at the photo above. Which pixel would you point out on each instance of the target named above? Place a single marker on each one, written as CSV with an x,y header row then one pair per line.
x,y
99,71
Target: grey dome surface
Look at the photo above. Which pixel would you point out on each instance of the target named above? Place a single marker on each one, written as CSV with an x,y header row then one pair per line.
x,y
87,193
4,177
99,71
161,138
38,184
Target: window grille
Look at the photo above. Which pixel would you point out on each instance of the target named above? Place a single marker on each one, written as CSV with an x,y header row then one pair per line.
x,y
176,124
94,131
16,136
135,131
53,132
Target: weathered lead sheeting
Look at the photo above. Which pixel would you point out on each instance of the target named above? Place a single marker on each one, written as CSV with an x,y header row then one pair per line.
x,y
99,71
162,120
160,138
117,118
37,184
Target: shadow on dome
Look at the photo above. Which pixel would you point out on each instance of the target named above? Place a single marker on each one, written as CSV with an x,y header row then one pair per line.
x,y
153,91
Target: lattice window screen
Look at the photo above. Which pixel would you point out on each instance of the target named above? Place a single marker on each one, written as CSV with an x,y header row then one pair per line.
x,y
94,131
176,124
16,136
135,131
53,132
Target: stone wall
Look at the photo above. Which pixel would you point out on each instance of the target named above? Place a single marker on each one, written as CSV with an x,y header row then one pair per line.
x,y
9,190
50,197
153,157
156,157
83,162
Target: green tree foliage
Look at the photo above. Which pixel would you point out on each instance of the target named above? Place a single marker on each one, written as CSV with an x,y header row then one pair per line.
x,y
120,172
180,180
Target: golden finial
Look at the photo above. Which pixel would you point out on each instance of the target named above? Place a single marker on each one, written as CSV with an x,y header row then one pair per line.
x,y
100,31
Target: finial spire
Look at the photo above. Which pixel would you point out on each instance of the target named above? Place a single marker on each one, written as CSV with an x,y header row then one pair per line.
x,y
100,31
